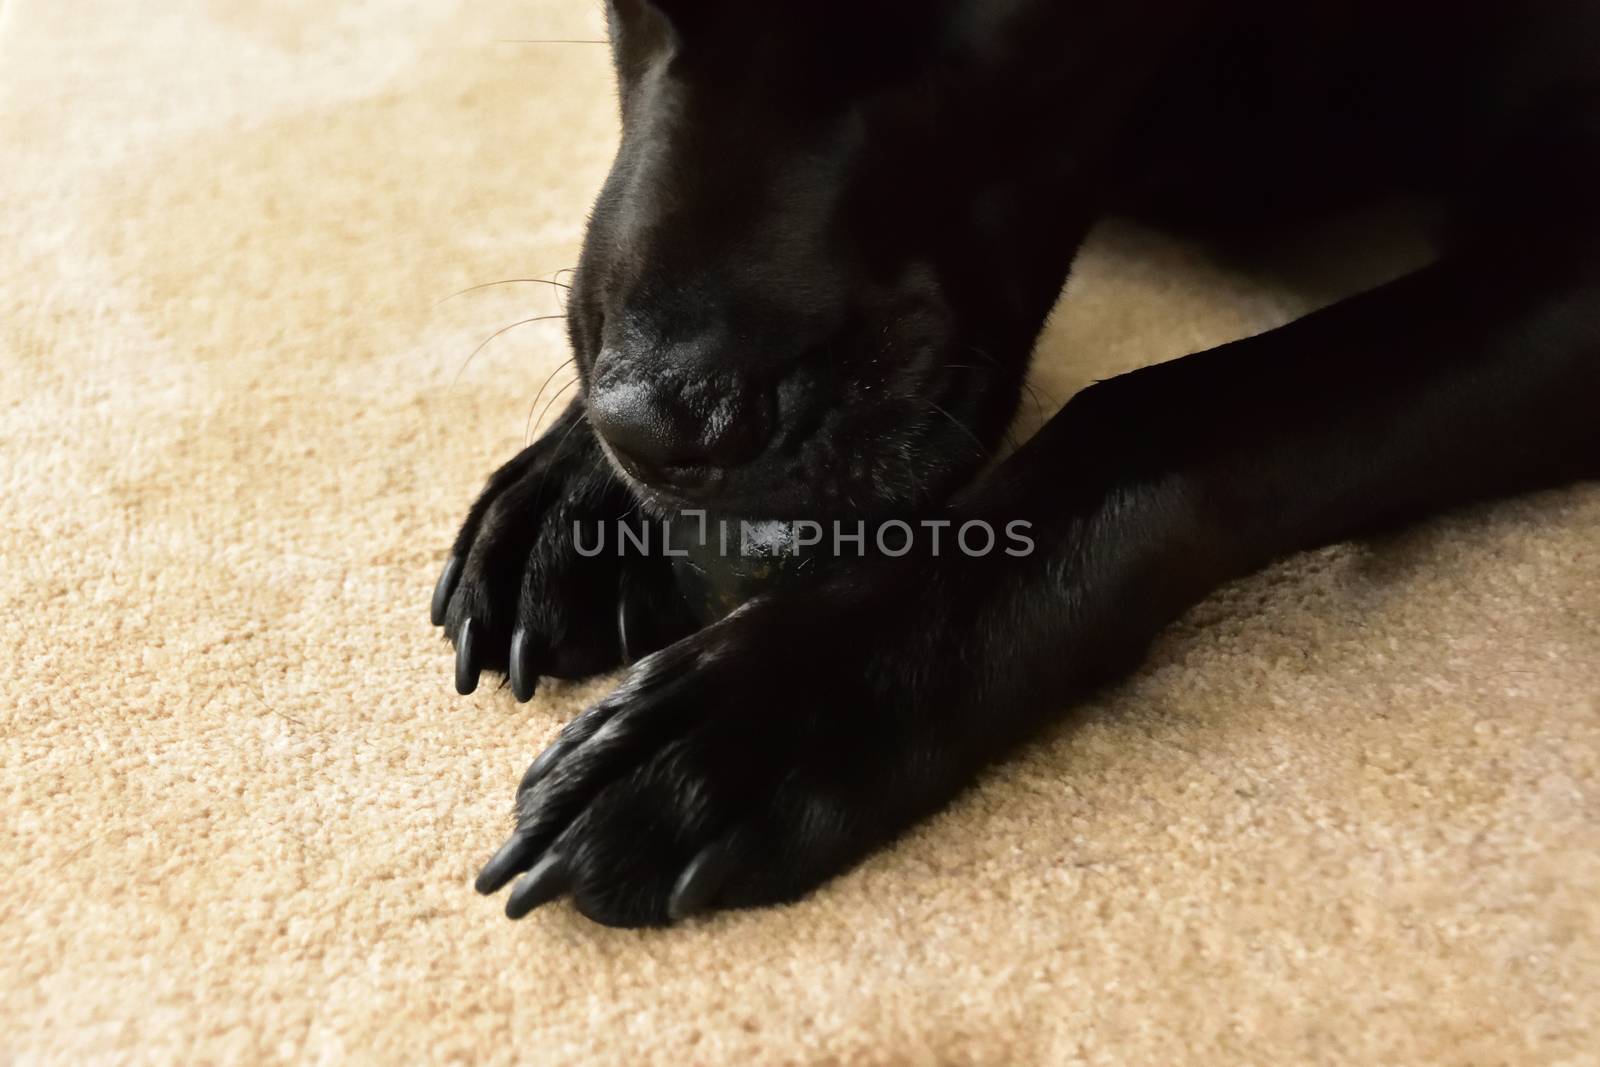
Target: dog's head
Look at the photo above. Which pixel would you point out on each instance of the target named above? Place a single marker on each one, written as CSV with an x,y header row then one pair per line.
x,y
829,238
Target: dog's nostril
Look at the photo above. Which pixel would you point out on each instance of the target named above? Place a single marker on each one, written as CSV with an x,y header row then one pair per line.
x,y
664,437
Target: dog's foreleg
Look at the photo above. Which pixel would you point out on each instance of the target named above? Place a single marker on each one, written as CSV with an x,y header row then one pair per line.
x,y
1475,377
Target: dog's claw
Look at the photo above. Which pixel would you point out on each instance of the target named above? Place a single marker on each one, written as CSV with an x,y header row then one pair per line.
x,y
512,859
622,628
631,623
467,666
541,766
444,589
700,883
548,879
524,679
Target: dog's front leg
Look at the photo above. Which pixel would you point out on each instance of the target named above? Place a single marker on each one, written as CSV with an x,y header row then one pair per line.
x,y
1473,378
748,763
1476,377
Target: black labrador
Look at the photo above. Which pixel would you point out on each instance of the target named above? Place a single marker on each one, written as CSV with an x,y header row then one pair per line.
x,y
810,287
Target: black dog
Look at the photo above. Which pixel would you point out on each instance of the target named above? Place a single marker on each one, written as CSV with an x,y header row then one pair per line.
x,y
810,288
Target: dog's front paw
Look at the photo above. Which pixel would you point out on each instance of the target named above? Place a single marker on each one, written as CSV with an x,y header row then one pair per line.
x,y
744,765
518,596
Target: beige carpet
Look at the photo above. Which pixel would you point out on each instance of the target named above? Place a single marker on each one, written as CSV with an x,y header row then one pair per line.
x,y
1350,812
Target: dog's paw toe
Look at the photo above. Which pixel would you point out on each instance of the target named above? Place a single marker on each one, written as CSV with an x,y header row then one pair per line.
x,y
703,782
516,595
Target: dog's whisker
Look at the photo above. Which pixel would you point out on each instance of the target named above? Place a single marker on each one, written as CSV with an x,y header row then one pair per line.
x,y
1038,407
564,289
504,329
527,431
554,397
1033,392
560,447
958,424
503,281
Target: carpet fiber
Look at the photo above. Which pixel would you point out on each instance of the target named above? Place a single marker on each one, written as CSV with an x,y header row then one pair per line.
x,y
1348,812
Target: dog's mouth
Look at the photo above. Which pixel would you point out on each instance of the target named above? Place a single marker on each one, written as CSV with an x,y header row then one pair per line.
x,y
869,452
657,494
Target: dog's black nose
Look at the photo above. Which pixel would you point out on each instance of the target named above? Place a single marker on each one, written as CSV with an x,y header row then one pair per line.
x,y
672,429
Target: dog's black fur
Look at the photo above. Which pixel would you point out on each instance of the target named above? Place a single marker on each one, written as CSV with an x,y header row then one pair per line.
x,y
810,288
